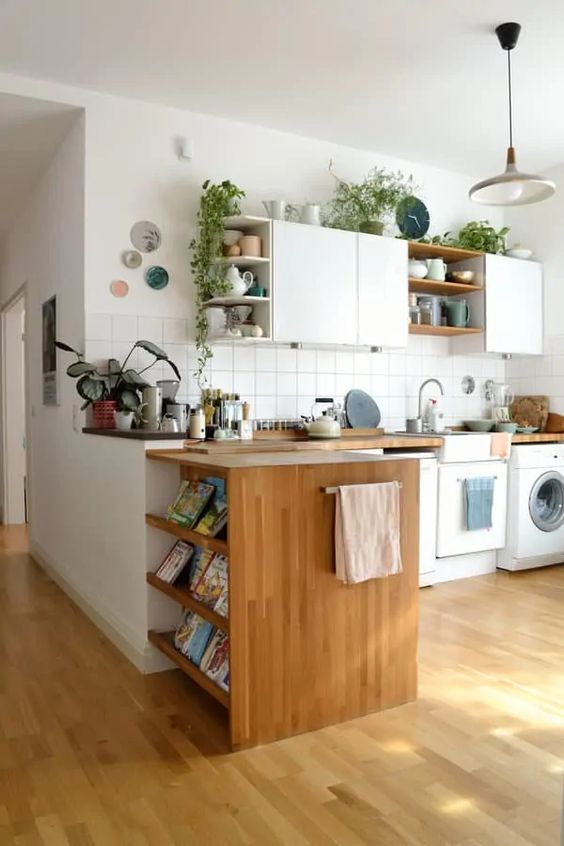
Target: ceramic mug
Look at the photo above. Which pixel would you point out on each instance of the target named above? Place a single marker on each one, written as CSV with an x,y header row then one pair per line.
x,y
436,269
251,245
151,408
458,313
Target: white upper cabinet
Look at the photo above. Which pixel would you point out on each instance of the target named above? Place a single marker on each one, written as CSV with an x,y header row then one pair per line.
x,y
514,306
315,284
382,291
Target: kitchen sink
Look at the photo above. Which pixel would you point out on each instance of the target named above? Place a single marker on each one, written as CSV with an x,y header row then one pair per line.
x,y
474,446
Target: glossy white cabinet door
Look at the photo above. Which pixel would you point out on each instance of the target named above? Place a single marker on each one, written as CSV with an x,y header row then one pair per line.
x,y
315,284
514,306
382,291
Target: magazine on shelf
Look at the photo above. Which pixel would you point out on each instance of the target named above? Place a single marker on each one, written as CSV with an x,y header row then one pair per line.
x,y
215,661
215,516
211,587
191,500
199,564
175,561
192,636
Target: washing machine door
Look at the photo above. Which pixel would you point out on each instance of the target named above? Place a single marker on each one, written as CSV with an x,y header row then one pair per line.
x,y
546,502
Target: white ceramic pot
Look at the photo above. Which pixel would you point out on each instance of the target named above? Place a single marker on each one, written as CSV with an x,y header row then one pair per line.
x,y
310,214
123,419
417,269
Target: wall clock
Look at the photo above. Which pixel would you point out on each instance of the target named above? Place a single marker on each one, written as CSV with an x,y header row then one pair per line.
x,y
412,218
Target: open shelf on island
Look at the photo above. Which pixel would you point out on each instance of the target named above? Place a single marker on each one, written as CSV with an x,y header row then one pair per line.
x,y
445,289
244,222
233,302
186,534
446,331
423,251
182,595
165,642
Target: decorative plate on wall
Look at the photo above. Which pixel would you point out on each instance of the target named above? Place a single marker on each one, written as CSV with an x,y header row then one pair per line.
x,y
145,236
131,258
119,288
156,277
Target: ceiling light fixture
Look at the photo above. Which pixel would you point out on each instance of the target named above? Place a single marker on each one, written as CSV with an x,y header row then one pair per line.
x,y
511,188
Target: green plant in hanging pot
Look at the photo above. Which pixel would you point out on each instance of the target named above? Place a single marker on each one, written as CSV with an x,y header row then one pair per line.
x,y
479,235
208,265
368,205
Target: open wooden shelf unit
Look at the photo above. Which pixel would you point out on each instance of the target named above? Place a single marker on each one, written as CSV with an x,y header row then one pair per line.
x,y
445,331
444,289
449,254
182,595
186,534
165,642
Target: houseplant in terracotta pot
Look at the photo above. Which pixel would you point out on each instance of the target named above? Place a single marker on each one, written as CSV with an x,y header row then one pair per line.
x,y
115,390
367,206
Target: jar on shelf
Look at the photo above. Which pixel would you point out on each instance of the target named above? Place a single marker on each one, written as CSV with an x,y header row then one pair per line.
x,y
426,310
414,310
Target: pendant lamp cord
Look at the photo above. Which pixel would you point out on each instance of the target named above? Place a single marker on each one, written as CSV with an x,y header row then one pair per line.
x,y
510,98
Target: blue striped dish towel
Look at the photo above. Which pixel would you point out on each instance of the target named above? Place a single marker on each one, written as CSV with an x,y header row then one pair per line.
x,y
479,502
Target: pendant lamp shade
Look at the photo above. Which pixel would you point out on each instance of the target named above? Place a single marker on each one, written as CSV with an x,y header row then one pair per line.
x,y
511,188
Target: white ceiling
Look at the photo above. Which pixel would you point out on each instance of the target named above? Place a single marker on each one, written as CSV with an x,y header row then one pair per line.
x,y
30,132
422,79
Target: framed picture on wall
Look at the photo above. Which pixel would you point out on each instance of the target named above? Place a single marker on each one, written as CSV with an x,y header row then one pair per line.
x,y
49,334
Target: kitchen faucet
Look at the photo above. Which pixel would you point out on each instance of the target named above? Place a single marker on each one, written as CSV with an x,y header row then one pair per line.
x,y
428,382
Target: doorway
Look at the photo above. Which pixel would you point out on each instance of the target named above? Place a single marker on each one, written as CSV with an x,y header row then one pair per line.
x,y
14,438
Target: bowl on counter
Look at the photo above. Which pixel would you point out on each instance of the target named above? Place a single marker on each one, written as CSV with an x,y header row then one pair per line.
x,y
508,427
464,276
479,425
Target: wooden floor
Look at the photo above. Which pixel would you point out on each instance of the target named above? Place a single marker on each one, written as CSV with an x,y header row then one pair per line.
x,y
91,752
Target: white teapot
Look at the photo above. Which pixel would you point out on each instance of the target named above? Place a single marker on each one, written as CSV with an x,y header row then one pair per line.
x,y
240,283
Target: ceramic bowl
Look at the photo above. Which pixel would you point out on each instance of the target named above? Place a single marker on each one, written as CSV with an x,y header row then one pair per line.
x,y
231,236
519,253
479,425
511,428
465,276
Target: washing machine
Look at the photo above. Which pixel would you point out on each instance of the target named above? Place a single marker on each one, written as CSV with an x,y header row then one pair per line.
x,y
535,508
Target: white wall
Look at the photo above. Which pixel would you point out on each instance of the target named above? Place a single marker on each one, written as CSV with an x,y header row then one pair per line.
x,y
14,413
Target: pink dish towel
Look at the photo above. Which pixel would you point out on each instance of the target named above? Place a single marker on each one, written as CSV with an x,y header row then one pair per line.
x,y
367,532
500,444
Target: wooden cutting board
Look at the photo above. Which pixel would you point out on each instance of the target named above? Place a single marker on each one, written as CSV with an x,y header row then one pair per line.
x,y
530,411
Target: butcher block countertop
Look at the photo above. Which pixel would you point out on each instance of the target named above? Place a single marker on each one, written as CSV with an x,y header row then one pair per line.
x,y
236,460
310,444
538,438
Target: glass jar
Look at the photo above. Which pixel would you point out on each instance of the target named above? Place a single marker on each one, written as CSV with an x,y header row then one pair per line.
x,y
414,310
426,309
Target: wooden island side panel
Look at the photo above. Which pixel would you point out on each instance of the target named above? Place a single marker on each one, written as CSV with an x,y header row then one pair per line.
x,y
307,651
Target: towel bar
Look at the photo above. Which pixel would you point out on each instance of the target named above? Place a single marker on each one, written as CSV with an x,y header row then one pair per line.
x,y
334,490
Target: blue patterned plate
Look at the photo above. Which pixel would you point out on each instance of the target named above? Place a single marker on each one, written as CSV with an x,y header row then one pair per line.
x,y
156,277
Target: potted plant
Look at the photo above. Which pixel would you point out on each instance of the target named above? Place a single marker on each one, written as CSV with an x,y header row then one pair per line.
x,y
481,236
117,390
208,265
366,206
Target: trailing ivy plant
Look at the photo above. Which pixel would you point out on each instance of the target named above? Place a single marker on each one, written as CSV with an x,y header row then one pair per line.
x,y
121,383
208,266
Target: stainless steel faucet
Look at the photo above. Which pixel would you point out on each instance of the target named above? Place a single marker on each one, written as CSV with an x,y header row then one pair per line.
x,y
425,383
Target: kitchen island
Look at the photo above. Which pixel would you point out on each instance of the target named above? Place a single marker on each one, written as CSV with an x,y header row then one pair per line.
x,y
306,650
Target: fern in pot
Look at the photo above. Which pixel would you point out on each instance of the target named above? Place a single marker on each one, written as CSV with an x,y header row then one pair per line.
x,y
368,205
116,391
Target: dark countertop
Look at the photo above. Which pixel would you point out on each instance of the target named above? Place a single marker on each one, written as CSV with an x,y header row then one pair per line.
x,y
136,434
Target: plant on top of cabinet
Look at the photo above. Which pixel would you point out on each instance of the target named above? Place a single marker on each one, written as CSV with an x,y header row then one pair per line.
x,y
208,265
121,384
479,235
366,206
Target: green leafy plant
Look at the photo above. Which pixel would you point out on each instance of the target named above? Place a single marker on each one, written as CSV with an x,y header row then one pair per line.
x,y
358,206
481,236
208,266
121,383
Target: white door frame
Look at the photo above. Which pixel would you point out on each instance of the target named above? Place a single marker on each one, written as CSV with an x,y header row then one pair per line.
x,y
19,295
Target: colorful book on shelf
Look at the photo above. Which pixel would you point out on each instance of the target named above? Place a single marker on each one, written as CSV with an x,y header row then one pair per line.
x,y
215,516
191,500
199,563
215,661
192,636
211,588
175,561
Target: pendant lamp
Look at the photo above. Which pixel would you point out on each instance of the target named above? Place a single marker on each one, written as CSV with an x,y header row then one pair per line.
x,y
511,188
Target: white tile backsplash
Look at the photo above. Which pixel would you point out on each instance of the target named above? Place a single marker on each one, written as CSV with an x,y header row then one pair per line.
x,y
282,382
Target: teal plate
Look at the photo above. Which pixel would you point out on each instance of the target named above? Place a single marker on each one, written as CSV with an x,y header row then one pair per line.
x,y
156,277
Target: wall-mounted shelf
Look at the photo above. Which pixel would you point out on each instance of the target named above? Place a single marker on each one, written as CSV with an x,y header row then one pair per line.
x,y
445,289
165,642
186,534
244,222
233,302
445,331
182,595
246,261
449,254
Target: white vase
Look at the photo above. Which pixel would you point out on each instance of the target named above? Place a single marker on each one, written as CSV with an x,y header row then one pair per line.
x,y
123,419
